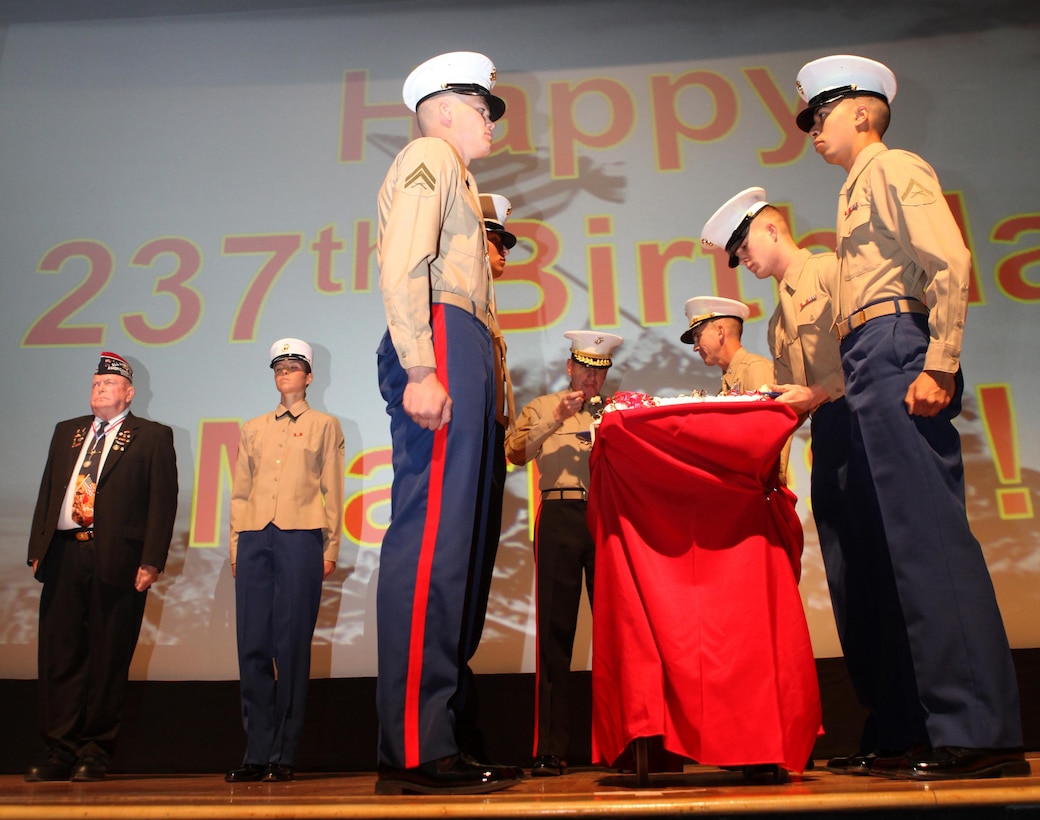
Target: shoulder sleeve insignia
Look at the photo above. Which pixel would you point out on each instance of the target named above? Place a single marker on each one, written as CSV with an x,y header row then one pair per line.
x,y
420,181
916,194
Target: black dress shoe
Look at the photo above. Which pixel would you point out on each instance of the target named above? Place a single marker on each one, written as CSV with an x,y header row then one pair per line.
x,y
953,763
457,774
515,772
88,768
249,773
278,773
53,768
548,766
859,763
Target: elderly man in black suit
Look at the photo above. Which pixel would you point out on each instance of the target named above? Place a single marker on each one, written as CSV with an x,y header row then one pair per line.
x,y
100,534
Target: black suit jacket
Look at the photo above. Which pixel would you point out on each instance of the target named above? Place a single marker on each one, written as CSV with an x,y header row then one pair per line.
x,y
136,501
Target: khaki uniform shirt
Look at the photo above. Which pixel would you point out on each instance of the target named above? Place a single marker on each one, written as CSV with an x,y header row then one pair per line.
x,y
809,281
505,410
898,238
748,371
431,237
562,457
289,472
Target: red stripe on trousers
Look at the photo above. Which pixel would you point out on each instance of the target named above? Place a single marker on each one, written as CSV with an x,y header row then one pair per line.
x,y
537,636
413,686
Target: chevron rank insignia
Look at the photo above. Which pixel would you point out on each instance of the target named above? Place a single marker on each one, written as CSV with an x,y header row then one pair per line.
x,y
916,194
420,181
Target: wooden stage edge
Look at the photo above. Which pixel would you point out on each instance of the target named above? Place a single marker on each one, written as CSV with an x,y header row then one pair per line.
x,y
583,793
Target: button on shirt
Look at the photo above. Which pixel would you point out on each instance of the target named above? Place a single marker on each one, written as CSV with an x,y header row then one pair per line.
x,y
562,457
897,237
288,463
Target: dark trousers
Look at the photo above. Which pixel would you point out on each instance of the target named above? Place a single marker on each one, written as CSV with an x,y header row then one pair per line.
x,y
278,576
467,705
88,632
857,567
938,612
564,552
427,597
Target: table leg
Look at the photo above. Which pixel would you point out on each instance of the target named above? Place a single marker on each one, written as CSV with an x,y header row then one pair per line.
x,y
641,754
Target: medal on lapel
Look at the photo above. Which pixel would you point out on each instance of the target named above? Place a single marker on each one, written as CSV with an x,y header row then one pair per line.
x,y
122,440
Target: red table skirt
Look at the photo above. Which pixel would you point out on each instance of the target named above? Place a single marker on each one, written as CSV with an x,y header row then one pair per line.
x,y
698,630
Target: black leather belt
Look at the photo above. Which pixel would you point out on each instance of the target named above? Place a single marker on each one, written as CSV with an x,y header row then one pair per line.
x,y
860,317
565,494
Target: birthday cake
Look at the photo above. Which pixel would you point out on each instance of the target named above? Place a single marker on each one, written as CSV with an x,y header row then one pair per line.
x,y
626,400
629,400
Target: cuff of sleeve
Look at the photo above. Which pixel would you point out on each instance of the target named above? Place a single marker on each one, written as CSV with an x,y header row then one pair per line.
x,y
416,355
942,358
834,388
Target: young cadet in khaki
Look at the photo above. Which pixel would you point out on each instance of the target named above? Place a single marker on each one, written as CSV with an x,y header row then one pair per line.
x,y
808,370
805,352
947,699
716,324
437,376
286,523
549,431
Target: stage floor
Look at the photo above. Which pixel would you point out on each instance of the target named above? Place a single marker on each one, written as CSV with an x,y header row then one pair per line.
x,y
697,790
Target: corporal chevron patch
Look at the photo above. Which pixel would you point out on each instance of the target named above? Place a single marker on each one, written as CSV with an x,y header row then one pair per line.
x,y
916,194
420,181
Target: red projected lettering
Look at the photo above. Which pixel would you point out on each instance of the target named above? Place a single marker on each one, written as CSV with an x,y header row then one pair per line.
x,y
513,131
998,416
564,134
603,299
355,112
281,248
50,329
358,520
669,126
189,304
956,203
364,253
653,261
217,451
783,114
323,248
552,292
1011,270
